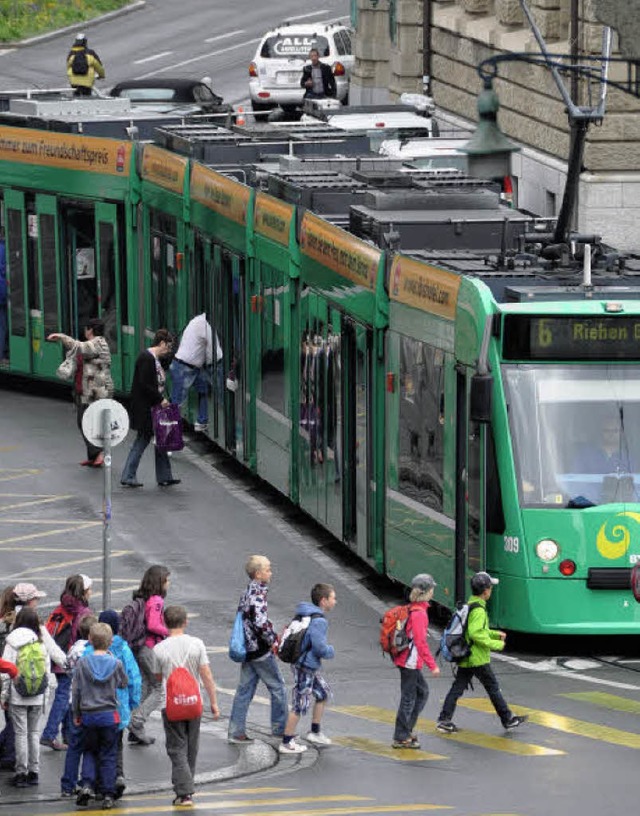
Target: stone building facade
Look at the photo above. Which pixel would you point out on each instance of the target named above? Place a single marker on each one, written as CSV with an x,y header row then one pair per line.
x,y
389,61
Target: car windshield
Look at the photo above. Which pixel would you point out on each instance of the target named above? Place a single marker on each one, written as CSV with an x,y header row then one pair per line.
x,y
283,46
573,433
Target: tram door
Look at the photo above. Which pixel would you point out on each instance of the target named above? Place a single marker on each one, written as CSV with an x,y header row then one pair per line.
x,y
230,319
203,300
19,319
112,297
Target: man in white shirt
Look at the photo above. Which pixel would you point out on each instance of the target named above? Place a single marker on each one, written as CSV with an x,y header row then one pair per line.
x,y
192,366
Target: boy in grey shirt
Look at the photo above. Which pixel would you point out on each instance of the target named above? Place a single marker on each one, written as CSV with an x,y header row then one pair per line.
x,y
94,703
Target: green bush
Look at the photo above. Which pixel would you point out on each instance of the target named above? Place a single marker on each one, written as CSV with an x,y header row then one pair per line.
x,y
20,19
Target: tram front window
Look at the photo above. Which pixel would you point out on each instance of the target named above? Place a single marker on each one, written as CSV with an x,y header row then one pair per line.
x,y
574,431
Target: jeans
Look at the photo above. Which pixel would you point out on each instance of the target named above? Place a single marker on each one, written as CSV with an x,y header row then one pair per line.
x,y
488,679
59,713
100,748
251,672
163,465
414,694
69,779
26,720
182,379
7,742
152,693
182,739
4,336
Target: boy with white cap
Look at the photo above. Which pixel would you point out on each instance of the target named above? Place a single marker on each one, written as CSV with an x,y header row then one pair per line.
x,y
482,641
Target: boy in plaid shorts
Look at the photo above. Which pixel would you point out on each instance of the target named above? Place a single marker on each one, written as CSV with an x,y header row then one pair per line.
x,y
307,682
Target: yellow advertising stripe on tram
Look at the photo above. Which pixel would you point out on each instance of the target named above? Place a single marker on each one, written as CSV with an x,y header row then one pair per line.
x,y
604,700
482,740
123,810
381,749
567,725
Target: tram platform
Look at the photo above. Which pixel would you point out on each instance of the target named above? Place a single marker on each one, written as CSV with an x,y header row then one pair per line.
x,y
51,527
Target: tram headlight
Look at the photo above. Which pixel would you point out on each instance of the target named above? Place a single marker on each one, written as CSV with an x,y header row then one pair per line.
x,y
547,549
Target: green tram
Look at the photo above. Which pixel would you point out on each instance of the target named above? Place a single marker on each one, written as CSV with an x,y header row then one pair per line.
x,y
435,413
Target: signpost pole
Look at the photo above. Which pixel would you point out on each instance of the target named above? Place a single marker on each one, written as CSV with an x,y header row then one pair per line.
x,y
106,510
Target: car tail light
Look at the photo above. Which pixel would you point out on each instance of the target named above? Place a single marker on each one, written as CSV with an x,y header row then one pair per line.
x,y
380,124
567,567
339,69
264,94
253,69
507,191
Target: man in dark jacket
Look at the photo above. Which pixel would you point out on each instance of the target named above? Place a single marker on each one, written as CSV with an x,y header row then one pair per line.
x,y
147,390
317,78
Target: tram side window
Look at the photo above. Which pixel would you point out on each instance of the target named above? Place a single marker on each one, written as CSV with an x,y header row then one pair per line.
x,y
421,426
108,285
15,273
272,327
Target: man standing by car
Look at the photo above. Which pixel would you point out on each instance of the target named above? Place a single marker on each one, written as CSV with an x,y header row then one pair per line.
x,y
83,65
317,78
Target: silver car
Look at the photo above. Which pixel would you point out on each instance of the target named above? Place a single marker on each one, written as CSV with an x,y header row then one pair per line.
x,y
276,70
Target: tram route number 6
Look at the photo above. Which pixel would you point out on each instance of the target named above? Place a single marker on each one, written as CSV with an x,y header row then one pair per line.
x,y
511,544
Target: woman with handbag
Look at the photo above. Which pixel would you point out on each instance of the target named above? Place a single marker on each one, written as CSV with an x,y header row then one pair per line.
x,y
88,364
147,391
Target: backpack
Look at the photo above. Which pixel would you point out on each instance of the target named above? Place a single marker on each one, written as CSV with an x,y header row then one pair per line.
x,y
80,63
133,624
59,626
237,643
32,665
454,645
394,638
184,701
290,646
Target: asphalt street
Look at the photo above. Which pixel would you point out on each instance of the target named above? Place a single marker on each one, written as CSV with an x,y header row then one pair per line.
x,y
576,755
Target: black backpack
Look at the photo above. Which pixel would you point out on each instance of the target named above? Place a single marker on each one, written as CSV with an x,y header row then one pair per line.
x,y
80,63
290,646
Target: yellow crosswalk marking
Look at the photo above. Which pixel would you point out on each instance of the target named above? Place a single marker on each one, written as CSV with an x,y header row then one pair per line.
x,y
481,740
123,810
568,725
604,700
380,749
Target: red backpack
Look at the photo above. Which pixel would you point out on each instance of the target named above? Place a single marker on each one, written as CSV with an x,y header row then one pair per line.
x,y
59,626
394,638
184,701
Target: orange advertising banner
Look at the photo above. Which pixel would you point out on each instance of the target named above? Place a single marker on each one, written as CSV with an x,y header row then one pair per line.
x,y
163,168
272,218
424,287
68,151
219,193
347,256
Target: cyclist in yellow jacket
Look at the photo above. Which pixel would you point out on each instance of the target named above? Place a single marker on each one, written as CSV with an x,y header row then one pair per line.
x,y
83,66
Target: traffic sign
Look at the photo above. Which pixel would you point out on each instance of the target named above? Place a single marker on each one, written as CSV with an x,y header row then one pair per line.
x,y
92,422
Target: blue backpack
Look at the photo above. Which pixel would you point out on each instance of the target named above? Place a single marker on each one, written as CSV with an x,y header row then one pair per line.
x,y
454,645
237,645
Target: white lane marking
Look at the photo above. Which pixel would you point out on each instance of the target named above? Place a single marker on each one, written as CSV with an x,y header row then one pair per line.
x,y
4,51
309,14
350,576
224,36
153,57
199,58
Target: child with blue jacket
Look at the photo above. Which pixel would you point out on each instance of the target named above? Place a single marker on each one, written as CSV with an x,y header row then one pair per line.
x,y
307,680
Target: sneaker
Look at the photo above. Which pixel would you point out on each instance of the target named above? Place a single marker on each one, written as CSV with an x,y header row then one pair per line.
x,y
241,739
291,748
514,722
32,778
53,743
446,727
412,744
200,427
140,739
318,739
121,786
83,797
68,794
183,801
107,802
20,781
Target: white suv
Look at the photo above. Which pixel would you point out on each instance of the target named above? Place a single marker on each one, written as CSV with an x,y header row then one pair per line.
x,y
276,70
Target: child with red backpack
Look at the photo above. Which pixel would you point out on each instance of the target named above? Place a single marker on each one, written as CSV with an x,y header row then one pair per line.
x,y
63,627
414,691
25,695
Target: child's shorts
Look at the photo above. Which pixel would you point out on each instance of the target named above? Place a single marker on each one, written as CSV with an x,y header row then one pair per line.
x,y
307,684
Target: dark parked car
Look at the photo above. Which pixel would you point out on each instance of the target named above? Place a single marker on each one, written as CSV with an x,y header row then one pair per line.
x,y
182,96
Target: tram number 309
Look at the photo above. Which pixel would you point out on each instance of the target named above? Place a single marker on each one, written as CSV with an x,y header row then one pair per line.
x,y
511,544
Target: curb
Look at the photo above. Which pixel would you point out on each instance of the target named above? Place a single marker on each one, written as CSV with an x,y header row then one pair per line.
x,y
50,35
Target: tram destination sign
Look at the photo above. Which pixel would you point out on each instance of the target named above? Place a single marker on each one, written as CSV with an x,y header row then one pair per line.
x,y
571,337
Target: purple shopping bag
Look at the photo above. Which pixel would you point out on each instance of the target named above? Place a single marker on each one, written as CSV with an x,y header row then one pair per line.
x,y
167,427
